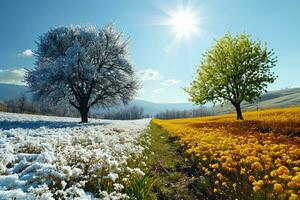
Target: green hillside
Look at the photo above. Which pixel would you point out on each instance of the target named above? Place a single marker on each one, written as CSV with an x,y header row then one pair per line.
x,y
272,99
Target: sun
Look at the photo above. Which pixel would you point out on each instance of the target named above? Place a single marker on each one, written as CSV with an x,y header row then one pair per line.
x,y
184,22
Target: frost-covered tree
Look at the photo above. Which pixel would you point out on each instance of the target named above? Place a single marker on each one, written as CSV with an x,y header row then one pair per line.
x,y
84,66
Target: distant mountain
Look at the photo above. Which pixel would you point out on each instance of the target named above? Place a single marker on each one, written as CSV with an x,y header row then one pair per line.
x,y
8,91
278,98
151,108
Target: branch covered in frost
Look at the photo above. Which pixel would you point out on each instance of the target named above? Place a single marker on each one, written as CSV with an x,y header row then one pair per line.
x,y
83,66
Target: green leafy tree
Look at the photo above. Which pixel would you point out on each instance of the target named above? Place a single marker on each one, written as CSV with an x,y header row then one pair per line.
x,y
234,70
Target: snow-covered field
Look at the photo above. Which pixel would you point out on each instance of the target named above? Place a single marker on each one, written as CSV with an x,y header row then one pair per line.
x,y
45,157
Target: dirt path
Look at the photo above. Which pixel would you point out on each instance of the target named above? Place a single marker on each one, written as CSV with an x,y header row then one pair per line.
x,y
172,172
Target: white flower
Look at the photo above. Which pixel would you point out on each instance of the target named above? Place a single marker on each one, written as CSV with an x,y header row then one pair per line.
x,y
113,176
143,164
138,171
118,186
63,184
69,151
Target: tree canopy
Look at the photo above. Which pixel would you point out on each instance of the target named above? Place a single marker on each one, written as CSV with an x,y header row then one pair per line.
x,y
234,70
84,66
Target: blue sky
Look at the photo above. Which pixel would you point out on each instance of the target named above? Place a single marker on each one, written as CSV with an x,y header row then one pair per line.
x,y
163,67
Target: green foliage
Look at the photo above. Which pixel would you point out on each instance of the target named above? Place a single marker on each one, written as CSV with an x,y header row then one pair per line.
x,y
139,188
235,69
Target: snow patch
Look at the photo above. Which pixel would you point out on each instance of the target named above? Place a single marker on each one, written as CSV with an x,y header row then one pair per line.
x,y
45,157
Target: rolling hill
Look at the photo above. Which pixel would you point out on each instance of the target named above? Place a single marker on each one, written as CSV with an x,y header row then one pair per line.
x,y
272,99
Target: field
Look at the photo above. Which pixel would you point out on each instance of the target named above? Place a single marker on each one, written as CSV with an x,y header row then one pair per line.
x,y
55,157
215,157
258,158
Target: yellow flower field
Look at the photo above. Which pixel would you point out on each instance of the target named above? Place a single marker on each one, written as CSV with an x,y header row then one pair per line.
x,y
257,158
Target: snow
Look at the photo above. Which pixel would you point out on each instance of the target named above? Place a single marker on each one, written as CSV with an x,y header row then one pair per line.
x,y
48,157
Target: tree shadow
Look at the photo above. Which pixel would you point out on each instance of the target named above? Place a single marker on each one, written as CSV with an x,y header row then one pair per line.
x,y
28,124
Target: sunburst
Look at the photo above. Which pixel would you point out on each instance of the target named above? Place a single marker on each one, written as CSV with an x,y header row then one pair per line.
x,y
184,23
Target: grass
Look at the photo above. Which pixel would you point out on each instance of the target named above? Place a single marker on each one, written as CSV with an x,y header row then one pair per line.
x,y
172,172
140,188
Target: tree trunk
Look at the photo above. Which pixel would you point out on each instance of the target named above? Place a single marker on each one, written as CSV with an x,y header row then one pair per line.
x,y
239,115
84,114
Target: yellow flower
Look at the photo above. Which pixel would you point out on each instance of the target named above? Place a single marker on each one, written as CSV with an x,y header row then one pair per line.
x,y
280,171
286,177
296,179
220,176
215,166
295,182
266,176
256,166
267,166
226,146
278,188
256,188
215,190
274,173
243,171
283,170
258,183
296,169
251,179
294,197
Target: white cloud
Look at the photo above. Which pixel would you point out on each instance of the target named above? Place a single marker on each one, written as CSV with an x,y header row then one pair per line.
x,y
15,76
150,74
26,53
170,82
159,90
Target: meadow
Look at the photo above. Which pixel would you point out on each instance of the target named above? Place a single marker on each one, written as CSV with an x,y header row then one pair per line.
x,y
258,158
44,157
